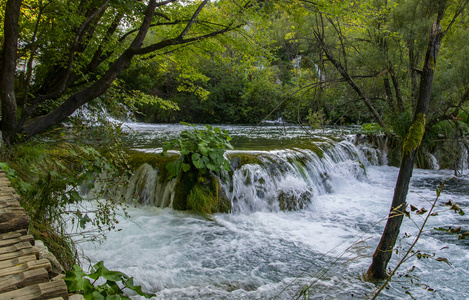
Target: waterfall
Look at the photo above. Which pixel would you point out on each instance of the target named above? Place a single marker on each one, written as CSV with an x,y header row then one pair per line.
x,y
292,179
432,161
289,179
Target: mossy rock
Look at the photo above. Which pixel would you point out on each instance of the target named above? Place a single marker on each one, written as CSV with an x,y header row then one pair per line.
x,y
200,193
184,184
137,158
288,200
238,159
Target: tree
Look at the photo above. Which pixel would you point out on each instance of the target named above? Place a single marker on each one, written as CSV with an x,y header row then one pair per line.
x,y
73,51
382,255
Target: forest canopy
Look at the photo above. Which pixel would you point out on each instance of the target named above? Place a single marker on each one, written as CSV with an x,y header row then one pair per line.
x,y
324,62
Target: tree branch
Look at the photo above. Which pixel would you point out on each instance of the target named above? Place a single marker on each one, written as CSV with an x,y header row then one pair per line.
x,y
456,15
349,80
192,20
178,41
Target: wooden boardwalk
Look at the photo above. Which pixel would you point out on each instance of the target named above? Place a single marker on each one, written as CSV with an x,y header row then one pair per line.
x,y
22,274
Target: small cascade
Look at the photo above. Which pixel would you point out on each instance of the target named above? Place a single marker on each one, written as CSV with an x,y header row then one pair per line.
x,y
464,159
147,188
292,179
289,179
374,147
432,161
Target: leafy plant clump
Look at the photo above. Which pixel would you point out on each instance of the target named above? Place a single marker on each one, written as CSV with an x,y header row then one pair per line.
x,y
371,129
78,281
317,119
201,157
200,149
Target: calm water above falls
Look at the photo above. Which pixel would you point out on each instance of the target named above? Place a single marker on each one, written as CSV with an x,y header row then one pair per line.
x,y
261,252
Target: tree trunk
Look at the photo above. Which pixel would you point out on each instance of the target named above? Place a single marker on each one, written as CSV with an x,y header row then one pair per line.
x,y
8,69
382,255
389,98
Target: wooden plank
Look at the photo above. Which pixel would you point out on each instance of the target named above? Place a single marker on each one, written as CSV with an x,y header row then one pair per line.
x,y
9,196
22,252
7,189
45,290
21,280
11,213
14,248
20,239
13,234
19,222
9,235
5,183
17,261
28,266
9,201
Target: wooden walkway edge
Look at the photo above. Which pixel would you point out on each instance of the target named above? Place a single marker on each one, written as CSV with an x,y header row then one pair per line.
x,y
22,274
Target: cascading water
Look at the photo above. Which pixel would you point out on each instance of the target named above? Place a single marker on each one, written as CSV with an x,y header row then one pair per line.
x,y
307,215
271,181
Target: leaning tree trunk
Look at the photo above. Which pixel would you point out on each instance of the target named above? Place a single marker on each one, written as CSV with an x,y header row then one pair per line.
x,y
8,69
382,255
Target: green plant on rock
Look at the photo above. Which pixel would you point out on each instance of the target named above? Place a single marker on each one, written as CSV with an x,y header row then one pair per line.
x,y
201,157
200,149
78,281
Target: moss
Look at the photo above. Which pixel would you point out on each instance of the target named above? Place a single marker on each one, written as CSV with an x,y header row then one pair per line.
x,y
202,200
317,150
138,158
291,201
415,135
184,185
237,159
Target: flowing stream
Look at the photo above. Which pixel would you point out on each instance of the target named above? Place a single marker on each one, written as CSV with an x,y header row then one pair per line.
x,y
306,210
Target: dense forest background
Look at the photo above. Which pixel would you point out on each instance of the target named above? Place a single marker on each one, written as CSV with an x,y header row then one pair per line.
x,y
325,62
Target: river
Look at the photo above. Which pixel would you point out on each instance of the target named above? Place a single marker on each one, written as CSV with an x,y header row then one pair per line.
x,y
259,251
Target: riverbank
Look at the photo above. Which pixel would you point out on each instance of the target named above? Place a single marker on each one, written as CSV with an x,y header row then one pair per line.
x,y
27,269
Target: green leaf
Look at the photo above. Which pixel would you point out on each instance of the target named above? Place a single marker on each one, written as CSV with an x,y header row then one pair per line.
x,y
75,196
203,148
95,296
76,282
174,168
83,221
198,161
129,283
101,271
212,167
186,167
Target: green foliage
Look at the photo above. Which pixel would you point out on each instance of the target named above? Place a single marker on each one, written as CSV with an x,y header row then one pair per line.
x,y
200,149
78,281
50,172
317,119
371,129
119,100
